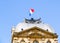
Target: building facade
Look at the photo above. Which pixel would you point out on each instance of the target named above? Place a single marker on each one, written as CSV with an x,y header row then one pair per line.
x,y
33,31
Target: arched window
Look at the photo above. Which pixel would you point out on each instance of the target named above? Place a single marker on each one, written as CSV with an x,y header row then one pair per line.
x,y
48,41
35,41
22,41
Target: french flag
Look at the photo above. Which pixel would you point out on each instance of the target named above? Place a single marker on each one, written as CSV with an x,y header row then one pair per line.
x,y
31,11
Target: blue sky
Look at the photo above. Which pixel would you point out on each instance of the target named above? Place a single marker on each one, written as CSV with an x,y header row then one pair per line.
x,y
13,12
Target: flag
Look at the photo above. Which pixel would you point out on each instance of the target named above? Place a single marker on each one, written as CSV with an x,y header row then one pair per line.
x,y
31,12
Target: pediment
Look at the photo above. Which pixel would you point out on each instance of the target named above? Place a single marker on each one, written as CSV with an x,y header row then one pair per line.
x,y
35,32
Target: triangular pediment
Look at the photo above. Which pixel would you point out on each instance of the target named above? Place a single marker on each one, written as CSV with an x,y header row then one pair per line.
x,y
35,32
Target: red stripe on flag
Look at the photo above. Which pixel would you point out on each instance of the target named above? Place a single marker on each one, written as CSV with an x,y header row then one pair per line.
x,y
32,10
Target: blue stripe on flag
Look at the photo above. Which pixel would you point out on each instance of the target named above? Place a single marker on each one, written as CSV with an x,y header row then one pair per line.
x,y
29,14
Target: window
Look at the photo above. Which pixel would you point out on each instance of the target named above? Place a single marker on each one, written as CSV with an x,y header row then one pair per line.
x,y
22,41
35,41
48,41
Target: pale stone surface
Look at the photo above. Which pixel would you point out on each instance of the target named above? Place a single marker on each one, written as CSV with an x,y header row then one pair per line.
x,y
25,26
